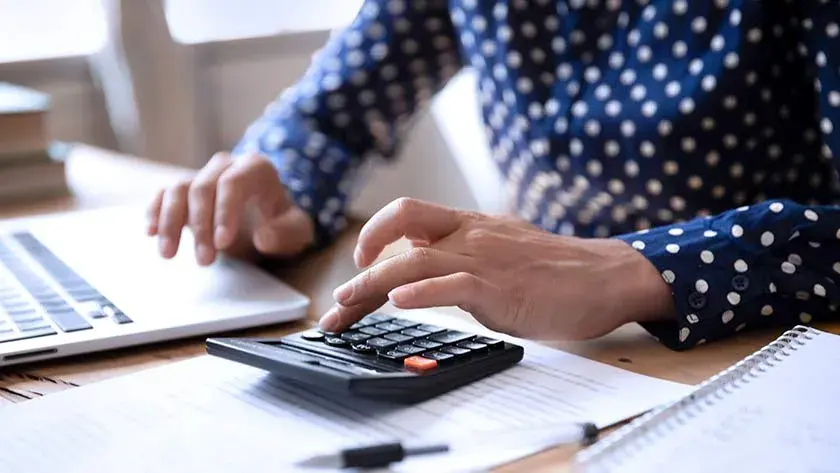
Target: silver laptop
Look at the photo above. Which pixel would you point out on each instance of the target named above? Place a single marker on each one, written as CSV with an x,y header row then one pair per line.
x,y
90,281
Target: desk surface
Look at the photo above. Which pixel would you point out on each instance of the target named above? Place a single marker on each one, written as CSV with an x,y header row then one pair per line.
x,y
100,178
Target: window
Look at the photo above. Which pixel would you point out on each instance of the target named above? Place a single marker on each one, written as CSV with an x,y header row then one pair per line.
x,y
40,29
199,21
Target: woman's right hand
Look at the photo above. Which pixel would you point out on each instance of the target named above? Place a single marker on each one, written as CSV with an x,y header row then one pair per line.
x,y
233,206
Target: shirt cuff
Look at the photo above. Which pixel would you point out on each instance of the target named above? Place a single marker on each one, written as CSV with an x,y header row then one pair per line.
x,y
709,277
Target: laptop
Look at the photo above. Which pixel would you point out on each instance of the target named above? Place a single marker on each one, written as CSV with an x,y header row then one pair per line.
x,y
89,281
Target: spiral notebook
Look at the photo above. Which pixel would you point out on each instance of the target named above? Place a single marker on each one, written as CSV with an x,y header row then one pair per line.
x,y
777,410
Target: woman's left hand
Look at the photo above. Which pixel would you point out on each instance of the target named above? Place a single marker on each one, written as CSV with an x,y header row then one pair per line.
x,y
511,276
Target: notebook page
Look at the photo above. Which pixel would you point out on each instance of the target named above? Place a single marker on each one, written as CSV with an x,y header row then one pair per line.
x,y
211,415
785,420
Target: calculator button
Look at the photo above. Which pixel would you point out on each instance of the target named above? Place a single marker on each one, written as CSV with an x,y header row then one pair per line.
x,y
398,337
473,346
433,329
312,336
373,331
354,337
336,342
439,356
380,343
410,349
405,323
363,348
413,332
427,344
375,319
457,351
418,363
389,327
451,336
357,326
393,355
490,342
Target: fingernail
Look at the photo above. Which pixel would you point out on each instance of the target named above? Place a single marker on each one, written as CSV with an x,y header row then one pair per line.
x,y
357,257
205,254
151,230
165,247
397,296
222,236
265,238
343,293
329,322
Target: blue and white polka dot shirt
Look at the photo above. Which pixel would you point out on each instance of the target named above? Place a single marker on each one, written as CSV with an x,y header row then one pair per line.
x,y
701,133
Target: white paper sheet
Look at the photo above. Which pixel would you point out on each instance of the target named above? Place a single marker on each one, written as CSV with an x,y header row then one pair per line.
x,y
210,415
780,418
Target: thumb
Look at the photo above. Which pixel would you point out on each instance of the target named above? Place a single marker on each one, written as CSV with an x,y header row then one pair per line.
x,y
287,234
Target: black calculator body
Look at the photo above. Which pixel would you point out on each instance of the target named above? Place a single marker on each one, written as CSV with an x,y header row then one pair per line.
x,y
381,357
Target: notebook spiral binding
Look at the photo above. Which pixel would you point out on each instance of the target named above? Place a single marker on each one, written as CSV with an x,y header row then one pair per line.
x,y
629,439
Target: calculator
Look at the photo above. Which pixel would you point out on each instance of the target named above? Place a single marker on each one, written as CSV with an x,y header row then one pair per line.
x,y
381,357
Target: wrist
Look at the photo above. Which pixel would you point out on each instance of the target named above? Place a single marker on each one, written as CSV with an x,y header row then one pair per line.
x,y
642,294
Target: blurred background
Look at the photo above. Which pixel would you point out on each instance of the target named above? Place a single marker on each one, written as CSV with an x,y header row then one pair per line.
x,y
176,80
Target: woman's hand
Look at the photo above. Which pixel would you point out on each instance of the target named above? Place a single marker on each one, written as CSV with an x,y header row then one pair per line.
x,y
511,276
237,206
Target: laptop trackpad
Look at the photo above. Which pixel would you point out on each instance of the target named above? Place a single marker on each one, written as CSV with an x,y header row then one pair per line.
x,y
112,251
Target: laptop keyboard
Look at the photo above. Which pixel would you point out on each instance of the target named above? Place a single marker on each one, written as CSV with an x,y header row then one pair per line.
x,y
40,295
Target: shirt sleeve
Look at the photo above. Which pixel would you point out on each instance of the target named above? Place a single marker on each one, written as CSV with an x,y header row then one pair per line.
x,y
775,263
354,100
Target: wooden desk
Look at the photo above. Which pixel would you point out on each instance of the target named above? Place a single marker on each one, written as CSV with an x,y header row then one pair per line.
x,y
100,178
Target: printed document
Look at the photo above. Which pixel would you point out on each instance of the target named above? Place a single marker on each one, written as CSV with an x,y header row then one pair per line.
x,y
209,415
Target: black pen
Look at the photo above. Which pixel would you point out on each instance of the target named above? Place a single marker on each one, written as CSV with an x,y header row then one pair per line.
x,y
382,455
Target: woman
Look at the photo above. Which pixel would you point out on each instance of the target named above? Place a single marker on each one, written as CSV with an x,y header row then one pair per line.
x,y
673,163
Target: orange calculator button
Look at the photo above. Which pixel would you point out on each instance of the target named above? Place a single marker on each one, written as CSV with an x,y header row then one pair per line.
x,y
418,363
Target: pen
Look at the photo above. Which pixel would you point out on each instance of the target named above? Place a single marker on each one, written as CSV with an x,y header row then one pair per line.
x,y
381,455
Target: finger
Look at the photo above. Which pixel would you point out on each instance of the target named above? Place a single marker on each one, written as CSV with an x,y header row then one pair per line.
x,y
465,290
249,176
413,265
285,235
153,213
201,204
404,217
340,317
173,217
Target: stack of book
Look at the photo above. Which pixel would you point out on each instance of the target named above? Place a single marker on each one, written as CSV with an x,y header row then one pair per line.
x,y
32,164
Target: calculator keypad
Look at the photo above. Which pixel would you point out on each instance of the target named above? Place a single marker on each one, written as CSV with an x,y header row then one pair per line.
x,y
420,347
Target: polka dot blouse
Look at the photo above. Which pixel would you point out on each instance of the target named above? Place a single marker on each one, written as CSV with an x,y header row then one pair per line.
x,y
702,133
